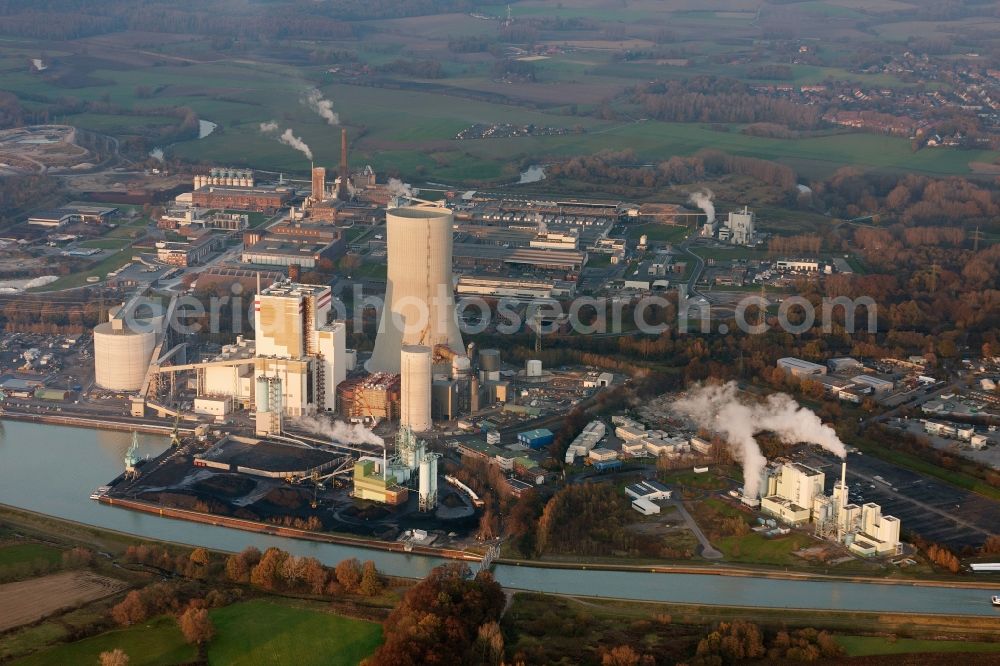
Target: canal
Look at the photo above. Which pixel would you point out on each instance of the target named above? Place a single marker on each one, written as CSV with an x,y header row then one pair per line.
x,y
53,470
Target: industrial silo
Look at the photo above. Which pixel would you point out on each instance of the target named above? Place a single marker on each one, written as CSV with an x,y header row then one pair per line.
x,y
489,360
424,489
419,294
533,368
122,355
415,387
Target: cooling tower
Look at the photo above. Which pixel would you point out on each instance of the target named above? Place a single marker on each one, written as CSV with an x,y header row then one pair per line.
x,y
419,296
415,388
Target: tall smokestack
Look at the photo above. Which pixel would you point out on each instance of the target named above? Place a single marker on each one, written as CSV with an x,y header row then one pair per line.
x,y
342,192
841,519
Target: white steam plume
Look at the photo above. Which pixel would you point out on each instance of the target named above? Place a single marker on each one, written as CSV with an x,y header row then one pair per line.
x,y
295,142
345,433
720,409
399,189
268,127
156,154
703,200
324,107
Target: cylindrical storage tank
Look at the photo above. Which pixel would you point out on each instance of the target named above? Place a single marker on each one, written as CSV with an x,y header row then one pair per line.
x,y
434,476
489,360
533,368
121,356
261,400
419,293
460,367
425,479
643,240
415,387
474,394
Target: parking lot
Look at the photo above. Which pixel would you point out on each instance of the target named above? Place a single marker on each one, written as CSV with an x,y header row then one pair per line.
x,y
938,512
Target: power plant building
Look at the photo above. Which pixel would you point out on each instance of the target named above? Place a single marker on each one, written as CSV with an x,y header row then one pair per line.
x,y
300,358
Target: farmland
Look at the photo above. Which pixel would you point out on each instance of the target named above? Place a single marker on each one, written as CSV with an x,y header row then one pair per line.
x,y
29,600
587,58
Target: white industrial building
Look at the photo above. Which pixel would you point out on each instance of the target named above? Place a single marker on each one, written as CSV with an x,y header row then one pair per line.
x,y
789,493
645,494
877,386
585,441
797,265
300,357
793,493
740,228
799,368
844,364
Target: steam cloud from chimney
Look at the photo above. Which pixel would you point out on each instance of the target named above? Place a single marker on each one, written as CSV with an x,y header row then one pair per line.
x,y
345,433
268,127
295,142
324,107
721,410
703,200
398,188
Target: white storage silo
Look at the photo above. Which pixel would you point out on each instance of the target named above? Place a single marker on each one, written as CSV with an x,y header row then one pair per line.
x,y
419,293
533,368
460,367
121,356
415,388
424,488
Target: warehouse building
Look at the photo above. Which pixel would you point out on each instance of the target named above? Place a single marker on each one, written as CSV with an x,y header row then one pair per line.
x,y
799,368
256,199
478,255
878,386
536,439
844,364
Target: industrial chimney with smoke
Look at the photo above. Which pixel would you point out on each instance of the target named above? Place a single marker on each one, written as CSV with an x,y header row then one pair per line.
x,y
419,299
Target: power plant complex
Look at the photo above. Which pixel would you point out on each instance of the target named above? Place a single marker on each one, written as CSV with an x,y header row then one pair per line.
x,y
297,364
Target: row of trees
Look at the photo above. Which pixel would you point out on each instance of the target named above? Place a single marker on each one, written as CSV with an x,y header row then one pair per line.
x,y
719,100
742,641
624,168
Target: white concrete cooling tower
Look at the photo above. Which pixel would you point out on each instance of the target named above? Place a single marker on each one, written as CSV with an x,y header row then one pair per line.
x,y
419,293
415,388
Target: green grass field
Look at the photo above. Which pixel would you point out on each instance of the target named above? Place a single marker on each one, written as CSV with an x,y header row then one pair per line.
x,y
156,643
761,550
863,646
253,632
266,632
28,552
664,233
